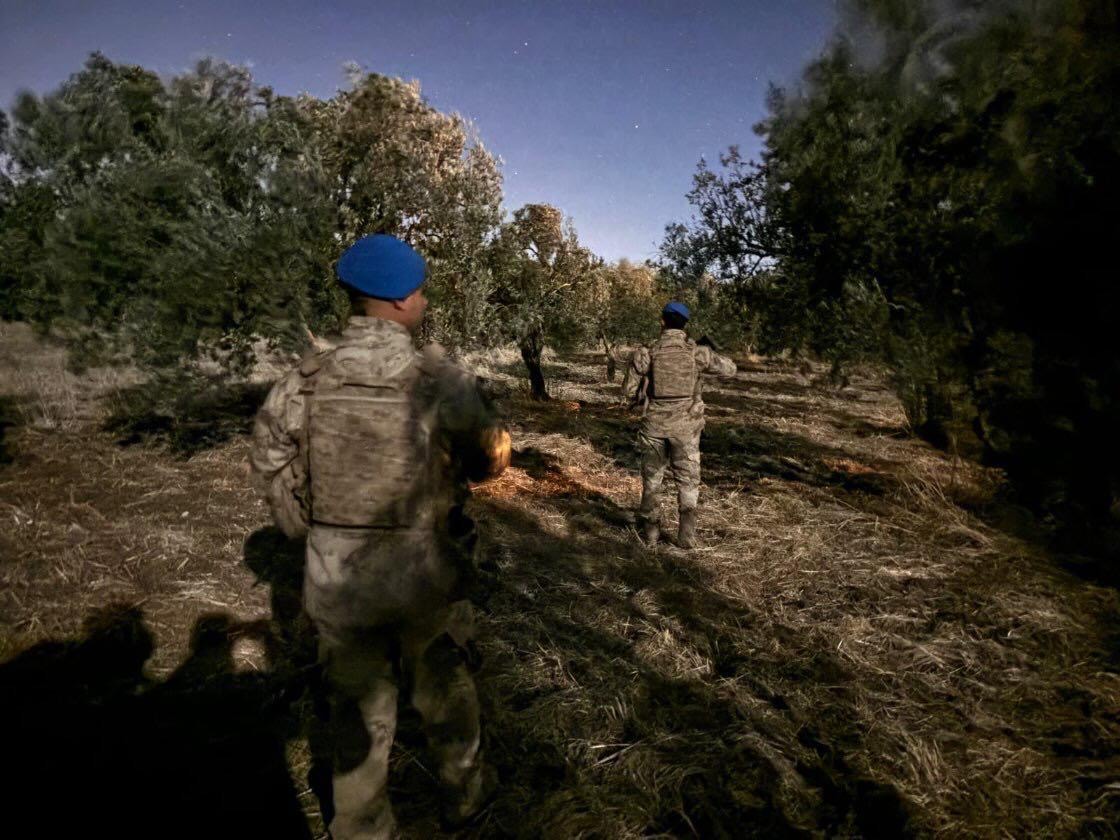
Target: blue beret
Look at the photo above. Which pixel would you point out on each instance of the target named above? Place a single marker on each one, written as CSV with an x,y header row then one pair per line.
x,y
677,309
382,266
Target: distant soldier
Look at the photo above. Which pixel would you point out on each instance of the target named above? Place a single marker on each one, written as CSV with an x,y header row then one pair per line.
x,y
366,448
666,379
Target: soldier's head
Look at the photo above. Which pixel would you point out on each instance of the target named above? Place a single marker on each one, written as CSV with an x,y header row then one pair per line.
x,y
384,278
674,316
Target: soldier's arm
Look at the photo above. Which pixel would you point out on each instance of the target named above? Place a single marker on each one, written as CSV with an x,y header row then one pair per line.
x,y
477,438
274,453
709,361
636,371
277,427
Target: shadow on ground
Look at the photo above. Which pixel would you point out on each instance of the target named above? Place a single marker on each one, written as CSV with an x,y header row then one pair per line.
x,y
732,452
691,758
185,418
9,419
94,748
626,696
569,370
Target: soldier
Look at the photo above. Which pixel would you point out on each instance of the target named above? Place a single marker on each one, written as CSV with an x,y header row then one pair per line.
x,y
366,448
666,378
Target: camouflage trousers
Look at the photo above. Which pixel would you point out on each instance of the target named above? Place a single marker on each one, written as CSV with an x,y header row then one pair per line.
x,y
681,454
364,668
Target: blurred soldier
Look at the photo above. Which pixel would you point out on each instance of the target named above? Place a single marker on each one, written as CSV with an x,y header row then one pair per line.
x,y
666,379
366,448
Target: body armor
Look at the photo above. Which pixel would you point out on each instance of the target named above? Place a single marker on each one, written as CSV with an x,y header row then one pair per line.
x,y
673,369
367,443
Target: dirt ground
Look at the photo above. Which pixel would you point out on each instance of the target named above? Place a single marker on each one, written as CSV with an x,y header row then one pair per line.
x,y
854,651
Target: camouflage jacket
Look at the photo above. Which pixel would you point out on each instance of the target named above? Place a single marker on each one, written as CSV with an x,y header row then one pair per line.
x,y
446,410
675,417
375,574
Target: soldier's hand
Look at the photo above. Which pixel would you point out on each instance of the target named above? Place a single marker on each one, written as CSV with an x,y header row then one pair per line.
x,y
498,446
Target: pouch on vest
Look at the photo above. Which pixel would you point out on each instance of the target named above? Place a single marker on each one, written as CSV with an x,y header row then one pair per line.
x,y
367,450
672,371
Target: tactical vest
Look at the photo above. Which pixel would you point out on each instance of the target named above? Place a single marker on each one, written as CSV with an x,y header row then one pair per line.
x,y
367,443
672,369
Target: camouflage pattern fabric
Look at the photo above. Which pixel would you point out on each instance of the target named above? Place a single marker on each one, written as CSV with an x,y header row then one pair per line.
x,y
669,436
364,419
361,666
388,594
674,417
682,455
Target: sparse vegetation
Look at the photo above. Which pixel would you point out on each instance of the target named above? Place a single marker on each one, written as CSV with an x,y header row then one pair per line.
x,y
936,193
858,649
880,637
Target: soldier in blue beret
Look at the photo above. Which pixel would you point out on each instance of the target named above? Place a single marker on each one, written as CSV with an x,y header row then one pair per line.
x,y
666,379
382,267
365,449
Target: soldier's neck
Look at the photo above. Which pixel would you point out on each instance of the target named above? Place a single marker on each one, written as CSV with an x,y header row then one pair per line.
x,y
383,309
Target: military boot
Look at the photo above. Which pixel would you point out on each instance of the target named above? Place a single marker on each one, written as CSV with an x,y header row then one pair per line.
x,y
686,536
649,529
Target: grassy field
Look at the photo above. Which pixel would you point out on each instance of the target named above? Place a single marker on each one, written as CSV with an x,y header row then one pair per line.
x,y
854,651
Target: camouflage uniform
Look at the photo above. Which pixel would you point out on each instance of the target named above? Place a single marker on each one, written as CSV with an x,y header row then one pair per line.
x,y
356,446
671,425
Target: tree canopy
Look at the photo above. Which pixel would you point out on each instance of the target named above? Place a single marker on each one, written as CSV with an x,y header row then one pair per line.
x,y
938,193
164,219
541,274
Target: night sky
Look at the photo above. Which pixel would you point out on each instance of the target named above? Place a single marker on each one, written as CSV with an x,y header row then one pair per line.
x,y
601,108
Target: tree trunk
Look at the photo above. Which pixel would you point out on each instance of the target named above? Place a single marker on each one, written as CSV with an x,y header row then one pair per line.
x,y
531,349
837,376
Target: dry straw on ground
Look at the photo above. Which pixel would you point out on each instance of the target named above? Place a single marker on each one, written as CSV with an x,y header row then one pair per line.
x,y
852,652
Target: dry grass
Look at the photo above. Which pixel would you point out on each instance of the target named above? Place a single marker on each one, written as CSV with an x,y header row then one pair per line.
x,y
91,523
45,395
852,653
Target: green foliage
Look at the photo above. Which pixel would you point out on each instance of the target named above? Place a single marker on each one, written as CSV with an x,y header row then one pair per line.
x,y
396,165
542,276
1004,167
622,304
721,262
463,311
730,236
941,194
164,222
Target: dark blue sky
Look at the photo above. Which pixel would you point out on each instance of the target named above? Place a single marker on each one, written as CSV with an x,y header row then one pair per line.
x,y
601,108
